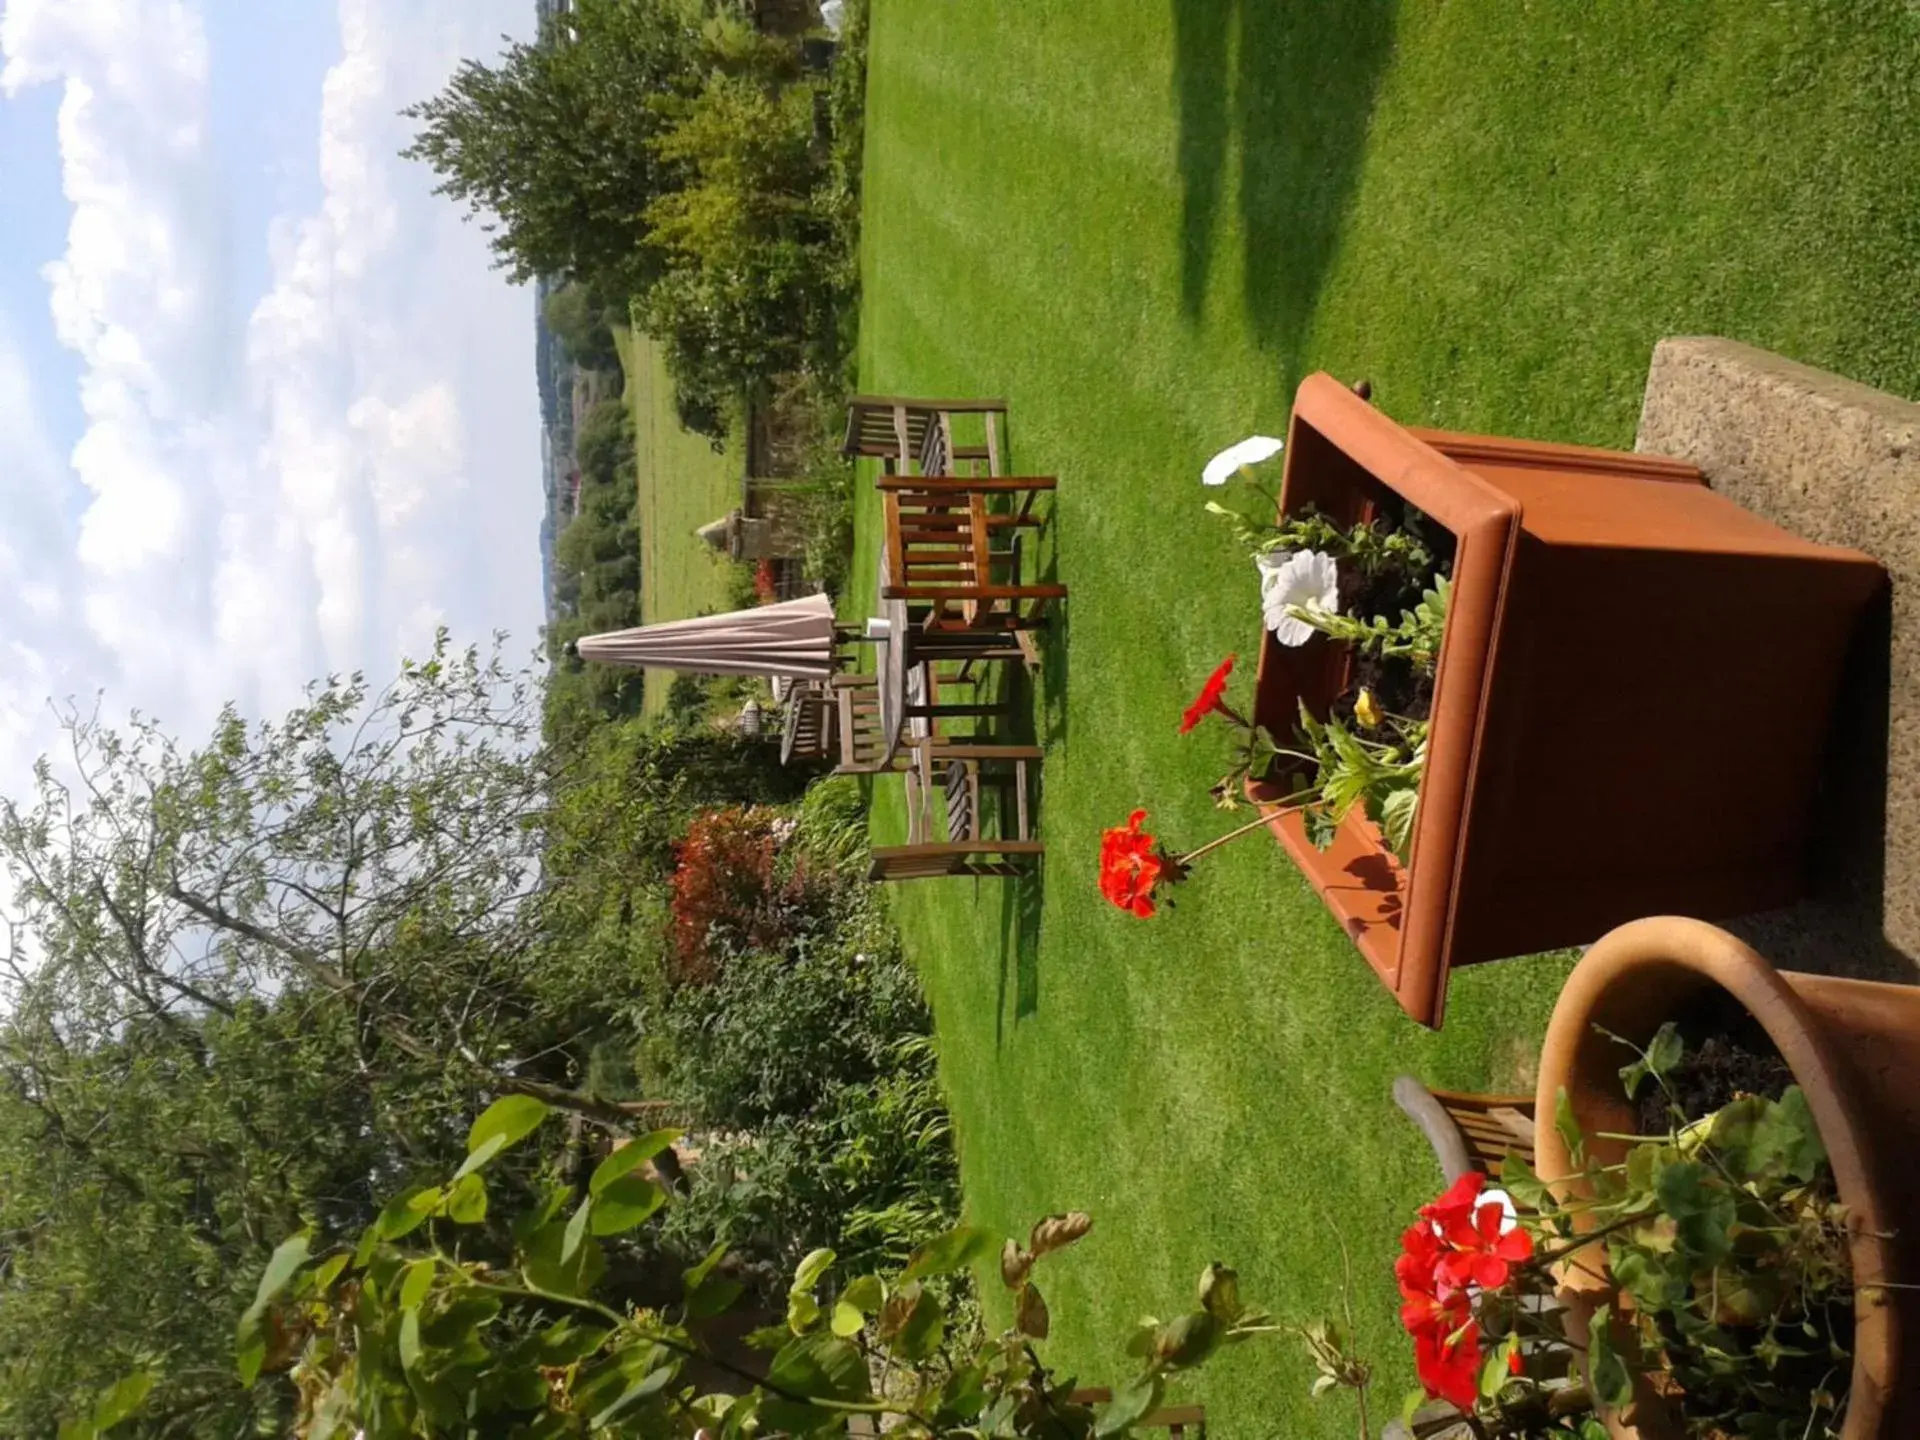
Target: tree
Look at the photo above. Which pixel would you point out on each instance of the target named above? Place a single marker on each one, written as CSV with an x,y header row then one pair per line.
x,y
582,318
551,147
261,984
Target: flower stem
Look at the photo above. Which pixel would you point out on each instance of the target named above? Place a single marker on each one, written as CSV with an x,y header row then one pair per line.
x,y
1253,824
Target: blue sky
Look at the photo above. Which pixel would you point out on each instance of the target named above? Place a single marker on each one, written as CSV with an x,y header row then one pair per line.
x,y
266,411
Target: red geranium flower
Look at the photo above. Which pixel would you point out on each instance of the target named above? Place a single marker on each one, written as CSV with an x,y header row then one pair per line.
x,y
1478,1253
1208,700
1420,1252
1457,1202
1448,1363
1129,868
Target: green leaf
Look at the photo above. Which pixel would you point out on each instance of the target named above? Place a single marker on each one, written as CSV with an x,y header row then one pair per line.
x,y
120,1400
410,1350
859,1300
1519,1180
1397,812
694,1278
326,1272
1131,1403
1767,1139
803,1311
568,1341
807,1274
575,1232
920,1333
625,1203
415,1281
282,1266
714,1297
481,1155
250,1351
1568,1125
630,1157
546,1270
78,1428
467,1201
640,1387
1663,1052
1701,1208
405,1213
821,1367
866,1294
847,1320
1494,1371
955,1250
512,1116
1607,1373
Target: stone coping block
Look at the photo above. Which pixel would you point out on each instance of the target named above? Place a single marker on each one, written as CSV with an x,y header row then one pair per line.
x,y
1836,461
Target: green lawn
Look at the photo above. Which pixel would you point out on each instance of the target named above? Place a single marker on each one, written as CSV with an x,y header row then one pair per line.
x,y
1143,222
684,484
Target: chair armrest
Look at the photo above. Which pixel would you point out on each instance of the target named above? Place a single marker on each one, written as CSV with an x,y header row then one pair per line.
x,y
1449,1145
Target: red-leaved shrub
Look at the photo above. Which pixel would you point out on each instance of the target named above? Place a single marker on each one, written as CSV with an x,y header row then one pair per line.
x,y
725,887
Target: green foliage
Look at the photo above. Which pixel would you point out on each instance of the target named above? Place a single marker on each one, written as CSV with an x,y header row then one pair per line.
x,y
403,1339
1415,637
552,147
1381,776
1728,1253
813,1071
584,321
597,558
274,981
668,151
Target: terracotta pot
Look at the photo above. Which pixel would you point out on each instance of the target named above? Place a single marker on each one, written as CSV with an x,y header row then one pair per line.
x,y
1632,698
1854,1048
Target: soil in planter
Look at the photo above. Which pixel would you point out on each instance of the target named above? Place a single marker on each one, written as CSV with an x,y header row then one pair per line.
x,y
1397,686
1727,1055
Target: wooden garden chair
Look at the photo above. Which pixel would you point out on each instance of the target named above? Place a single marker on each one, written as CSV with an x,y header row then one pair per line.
x,y
940,554
809,732
901,432
945,781
1468,1132
1186,1422
856,704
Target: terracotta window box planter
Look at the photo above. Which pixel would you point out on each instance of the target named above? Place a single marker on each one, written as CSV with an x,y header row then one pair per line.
x,y
1632,698
1854,1049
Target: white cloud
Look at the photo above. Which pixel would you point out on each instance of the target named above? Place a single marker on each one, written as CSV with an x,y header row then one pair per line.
x,y
310,492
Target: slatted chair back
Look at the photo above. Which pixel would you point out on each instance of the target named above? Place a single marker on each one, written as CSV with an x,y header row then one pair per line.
x,y
1492,1126
1186,1422
903,431
1469,1132
811,728
856,700
939,553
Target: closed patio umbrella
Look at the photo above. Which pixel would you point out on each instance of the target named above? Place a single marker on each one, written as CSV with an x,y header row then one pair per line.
x,y
795,637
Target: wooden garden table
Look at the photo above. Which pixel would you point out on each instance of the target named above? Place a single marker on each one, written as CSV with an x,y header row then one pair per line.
x,y
903,667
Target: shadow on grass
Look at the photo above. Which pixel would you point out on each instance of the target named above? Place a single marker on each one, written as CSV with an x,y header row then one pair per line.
x,y
1020,903
1288,87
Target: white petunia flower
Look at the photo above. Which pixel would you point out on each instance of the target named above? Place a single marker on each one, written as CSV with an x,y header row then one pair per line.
x,y
1296,577
1250,451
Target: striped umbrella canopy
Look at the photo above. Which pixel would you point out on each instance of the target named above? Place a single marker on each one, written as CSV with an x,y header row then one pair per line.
x,y
793,638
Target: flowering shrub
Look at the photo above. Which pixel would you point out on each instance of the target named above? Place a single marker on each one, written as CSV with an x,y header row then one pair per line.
x,y
763,582
1719,1250
726,886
